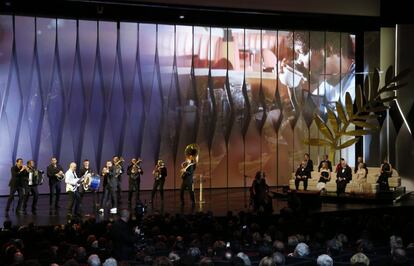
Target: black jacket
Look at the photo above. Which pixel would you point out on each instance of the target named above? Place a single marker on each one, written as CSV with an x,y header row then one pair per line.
x,y
329,165
303,172
18,178
123,239
51,172
344,174
187,176
110,179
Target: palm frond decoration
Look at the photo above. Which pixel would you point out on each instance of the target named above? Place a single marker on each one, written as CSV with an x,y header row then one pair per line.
x,y
368,102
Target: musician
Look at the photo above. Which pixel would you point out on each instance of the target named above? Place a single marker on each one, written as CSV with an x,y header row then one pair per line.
x,y
18,174
34,179
343,177
83,171
55,174
134,171
187,171
110,187
325,159
119,170
159,173
73,182
309,162
302,174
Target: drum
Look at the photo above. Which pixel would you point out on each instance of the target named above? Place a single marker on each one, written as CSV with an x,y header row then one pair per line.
x,y
95,181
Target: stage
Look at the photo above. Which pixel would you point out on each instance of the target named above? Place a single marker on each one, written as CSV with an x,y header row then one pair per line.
x,y
218,201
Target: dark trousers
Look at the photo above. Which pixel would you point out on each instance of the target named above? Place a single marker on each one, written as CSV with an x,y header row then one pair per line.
x,y
187,186
20,193
305,183
158,184
134,188
340,187
118,188
54,195
109,193
31,190
74,203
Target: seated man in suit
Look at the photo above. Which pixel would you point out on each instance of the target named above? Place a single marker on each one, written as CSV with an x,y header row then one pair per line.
x,y
343,177
325,160
302,174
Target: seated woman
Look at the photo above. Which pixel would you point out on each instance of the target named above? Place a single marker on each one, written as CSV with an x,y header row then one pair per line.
x,y
361,177
386,172
302,174
325,176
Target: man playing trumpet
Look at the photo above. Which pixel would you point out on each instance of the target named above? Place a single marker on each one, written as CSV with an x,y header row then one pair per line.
x,y
134,172
159,173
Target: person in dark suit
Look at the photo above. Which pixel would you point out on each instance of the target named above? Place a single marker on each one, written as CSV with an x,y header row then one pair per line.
x,y
33,182
187,172
16,184
134,171
309,162
260,193
123,237
386,172
110,183
343,177
159,173
325,159
55,174
302,174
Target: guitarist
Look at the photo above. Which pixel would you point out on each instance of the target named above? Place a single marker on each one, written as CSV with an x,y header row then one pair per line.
x,y
73,183
159,172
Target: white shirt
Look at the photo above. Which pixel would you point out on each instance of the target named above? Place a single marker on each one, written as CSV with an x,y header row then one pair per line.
x,y
71,180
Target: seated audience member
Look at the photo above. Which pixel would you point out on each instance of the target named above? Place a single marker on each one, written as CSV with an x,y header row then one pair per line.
x,y
361,177
358,161
343,177
302,174
93,260
386,172
301,250
325,160
324,260
206,261
399,257
334,247
112,262
267,261
162,261
279,258
309,162
395,242
245,258
359,259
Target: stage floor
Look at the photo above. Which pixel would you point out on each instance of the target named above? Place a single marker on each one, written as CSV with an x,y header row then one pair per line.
x,y
219,201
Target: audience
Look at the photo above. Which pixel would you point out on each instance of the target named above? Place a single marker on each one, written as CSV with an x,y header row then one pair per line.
x,y
291,238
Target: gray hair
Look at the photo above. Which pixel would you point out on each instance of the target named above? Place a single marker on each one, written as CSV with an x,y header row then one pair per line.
x,y
94,260
110,262
245,258
301,250
279,258
324,260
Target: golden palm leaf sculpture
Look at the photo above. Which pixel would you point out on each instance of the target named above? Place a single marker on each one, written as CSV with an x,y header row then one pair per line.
x,y
368,104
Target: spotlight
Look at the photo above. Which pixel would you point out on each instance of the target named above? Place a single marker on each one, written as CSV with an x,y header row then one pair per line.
x,y
181,17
